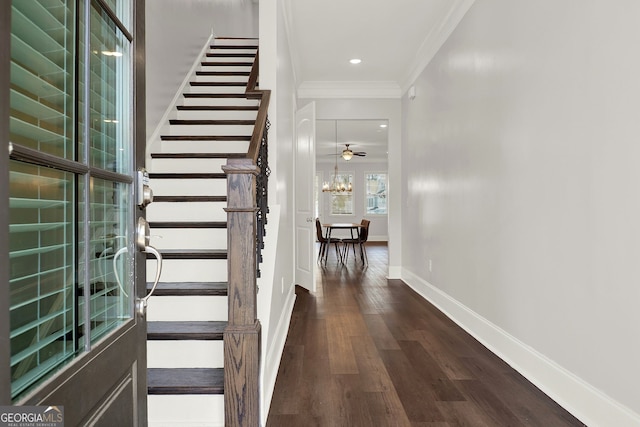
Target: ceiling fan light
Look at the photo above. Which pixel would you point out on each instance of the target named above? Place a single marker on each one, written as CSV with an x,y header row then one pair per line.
x,y
347,154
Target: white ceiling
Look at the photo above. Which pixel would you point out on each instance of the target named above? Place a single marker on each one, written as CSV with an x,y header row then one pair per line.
x,y
362,135
394,38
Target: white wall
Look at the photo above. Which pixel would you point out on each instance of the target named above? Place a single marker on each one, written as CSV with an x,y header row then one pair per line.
x,y
276,296
522,181
378,229
175,34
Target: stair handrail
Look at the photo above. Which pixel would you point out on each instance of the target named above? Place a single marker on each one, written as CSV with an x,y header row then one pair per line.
x,y
246,217
261,120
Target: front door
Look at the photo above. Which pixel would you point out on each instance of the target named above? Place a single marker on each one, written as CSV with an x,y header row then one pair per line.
x,y
305,167
71,271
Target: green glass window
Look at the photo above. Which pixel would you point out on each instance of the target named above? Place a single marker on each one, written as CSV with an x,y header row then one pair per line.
x,y
42,273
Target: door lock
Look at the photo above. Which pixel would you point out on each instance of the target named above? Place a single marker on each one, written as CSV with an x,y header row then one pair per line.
x,y
144,194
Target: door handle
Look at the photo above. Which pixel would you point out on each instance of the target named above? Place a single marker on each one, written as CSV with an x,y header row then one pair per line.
x,y
142,242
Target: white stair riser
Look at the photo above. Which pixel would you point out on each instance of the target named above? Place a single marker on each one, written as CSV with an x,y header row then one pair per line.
x,y
186,165
217,114
190,270
228,58
241,130
235,41
247,49
198,410
202,147
189,187
217,89
185,354
208,79
183,308
190,238
218,101
195,211
245,68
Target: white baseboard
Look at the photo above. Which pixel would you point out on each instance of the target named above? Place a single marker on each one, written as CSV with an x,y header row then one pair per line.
x,y
580,398
274,355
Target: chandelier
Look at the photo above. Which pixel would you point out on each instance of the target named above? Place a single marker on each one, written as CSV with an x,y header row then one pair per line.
x,y
338,185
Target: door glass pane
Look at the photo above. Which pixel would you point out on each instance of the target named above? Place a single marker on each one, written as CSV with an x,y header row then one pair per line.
x,y
42,273
42,76
122,9
110,268
110,96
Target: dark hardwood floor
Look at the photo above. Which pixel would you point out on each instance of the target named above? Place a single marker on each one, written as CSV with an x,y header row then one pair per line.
x,y
367,351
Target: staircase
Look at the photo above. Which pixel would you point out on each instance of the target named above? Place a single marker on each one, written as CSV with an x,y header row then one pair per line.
x,y
188,314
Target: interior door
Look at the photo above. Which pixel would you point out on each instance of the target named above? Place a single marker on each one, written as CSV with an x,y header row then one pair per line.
x,y
76,342
305,172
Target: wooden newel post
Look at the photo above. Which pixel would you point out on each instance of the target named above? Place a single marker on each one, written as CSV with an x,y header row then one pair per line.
x,y
242,335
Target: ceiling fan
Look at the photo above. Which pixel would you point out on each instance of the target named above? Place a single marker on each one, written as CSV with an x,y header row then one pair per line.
x,y
348,153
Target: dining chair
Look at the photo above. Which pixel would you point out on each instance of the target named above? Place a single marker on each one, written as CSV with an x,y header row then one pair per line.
x,y
363,236
324,241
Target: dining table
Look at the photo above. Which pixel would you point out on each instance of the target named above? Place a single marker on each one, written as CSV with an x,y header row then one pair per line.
x,y
330,227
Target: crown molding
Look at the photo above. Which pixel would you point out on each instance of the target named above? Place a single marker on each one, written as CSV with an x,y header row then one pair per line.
x,y
434,41
349,89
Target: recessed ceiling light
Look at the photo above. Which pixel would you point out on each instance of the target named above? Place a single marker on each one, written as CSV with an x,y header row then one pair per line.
x,y
383,125
355,61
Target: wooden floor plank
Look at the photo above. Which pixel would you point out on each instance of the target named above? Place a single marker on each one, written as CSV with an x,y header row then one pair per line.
x,y
367,351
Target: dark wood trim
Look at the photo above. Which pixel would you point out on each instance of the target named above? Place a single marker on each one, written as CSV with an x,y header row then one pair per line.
x,y
140,140
36,157
5,61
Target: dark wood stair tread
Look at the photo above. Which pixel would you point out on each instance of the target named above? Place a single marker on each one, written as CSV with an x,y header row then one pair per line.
x,y
179,199
226,64
179,175
233,46
198,155
185,380
218,107
190,289
224,84
222,73
185,224
230,122
191,254
186,330
231,55
214,95
206,137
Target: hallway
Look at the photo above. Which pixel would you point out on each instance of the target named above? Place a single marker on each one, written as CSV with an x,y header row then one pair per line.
x,y
367,351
